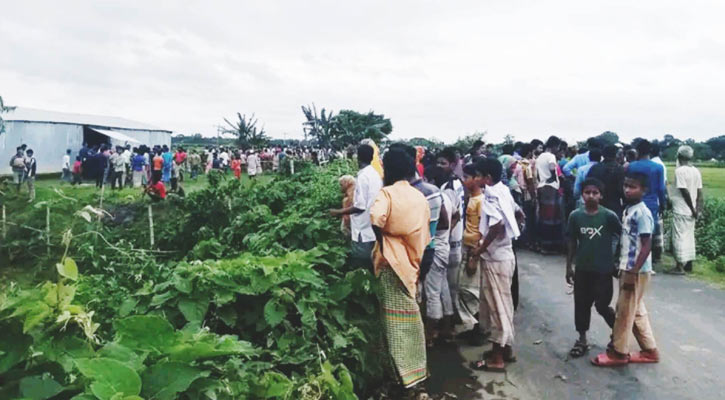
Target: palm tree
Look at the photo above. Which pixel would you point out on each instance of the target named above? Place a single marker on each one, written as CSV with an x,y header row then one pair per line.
x,y
246,131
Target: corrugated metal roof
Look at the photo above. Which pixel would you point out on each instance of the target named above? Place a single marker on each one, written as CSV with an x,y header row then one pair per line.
x,y
35,115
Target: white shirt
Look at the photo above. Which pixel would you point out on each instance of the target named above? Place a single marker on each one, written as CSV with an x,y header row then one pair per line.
x,y
686,177
126,156
501,248
658,160
252,165
66,161
545,162
442,236
457,200
367,187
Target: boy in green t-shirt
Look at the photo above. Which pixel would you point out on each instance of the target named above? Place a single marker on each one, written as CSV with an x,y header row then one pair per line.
x,y
591,230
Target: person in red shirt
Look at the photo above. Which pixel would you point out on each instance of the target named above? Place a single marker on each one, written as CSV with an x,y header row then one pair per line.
x,y
77,171
237,167
156,190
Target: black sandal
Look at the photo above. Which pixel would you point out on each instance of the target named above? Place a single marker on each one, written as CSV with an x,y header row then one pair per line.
x,y
580,348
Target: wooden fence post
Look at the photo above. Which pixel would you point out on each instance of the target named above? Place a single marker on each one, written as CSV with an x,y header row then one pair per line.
x,y
151,226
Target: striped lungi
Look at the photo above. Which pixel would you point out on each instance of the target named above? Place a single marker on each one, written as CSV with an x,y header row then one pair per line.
x,y
403,327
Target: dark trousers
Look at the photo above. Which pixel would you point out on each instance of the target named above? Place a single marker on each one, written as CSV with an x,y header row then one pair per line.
x,y
592,288
361,254
426,262
116,179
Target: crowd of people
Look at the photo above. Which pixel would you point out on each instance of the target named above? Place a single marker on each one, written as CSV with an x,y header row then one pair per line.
x,y
159,169
441,230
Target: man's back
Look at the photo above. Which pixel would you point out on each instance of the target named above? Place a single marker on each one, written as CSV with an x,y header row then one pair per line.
x,y
612,175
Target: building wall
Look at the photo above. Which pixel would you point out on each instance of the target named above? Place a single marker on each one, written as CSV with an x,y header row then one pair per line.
x,y
49,142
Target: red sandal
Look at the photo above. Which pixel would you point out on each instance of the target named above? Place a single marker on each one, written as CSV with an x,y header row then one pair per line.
x,y
605,360
642,357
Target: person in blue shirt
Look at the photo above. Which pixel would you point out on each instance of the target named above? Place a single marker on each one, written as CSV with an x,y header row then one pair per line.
x,y
595,155
655,197
581,159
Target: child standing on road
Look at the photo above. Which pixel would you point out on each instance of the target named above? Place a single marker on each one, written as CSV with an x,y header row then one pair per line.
x,y
591,230
469,277
635,265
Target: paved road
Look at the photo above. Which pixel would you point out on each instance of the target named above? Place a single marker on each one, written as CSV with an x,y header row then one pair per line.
x,y
688,319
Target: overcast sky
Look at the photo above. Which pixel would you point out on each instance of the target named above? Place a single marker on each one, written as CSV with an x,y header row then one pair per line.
x,y
437,69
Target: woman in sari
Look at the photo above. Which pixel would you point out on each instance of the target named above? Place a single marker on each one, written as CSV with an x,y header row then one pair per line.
x,y
400,217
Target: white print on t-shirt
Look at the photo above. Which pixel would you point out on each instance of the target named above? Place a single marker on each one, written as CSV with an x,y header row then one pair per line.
x,y
591,231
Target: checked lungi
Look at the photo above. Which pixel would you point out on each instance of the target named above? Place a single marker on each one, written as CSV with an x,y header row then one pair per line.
x,y
403,327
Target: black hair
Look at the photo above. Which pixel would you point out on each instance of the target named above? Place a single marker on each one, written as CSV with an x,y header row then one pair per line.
x,y
408,149
507,149
436,175
365,153
655,151
78,158
610,152
489,145
470,169
536,142
552,142
644,147
593,182
397,166
563,144
593,142
29,151
639,177
595,154
449,153
490,166
477,144
68,151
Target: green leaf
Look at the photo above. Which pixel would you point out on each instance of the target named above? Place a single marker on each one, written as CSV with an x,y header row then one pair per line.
x,y
163,381
36,314
274,312
181,284
39,388
162,298
124,355
210,346
272,385
127,306
109,377
193,310
145,332
68,269
15,344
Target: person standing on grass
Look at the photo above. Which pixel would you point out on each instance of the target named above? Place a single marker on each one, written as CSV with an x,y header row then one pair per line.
x,y
635,270
499,225
31,165
656,196
400,217
66,166
591,230
138,163
168,159
236,167
119,168
687,201
158,165
367,188
253,164
17,163
549,228
77,171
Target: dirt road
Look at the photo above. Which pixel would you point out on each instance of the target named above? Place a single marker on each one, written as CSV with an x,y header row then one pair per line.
x,y
688,319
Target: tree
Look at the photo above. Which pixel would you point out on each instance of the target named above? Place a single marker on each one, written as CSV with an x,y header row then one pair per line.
x,y
509,139
608,138
3,109
318,127
431,143
717,144
246,131
350,127
465,143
